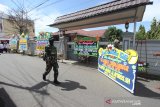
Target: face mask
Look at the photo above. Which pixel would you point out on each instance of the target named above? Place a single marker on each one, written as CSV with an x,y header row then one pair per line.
x,y
51,43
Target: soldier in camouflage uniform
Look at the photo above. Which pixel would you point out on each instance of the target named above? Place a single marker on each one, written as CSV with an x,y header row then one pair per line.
x,y
51,60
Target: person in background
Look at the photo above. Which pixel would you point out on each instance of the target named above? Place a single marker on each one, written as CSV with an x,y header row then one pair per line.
x,y
8,48
117,43
1,48
5,47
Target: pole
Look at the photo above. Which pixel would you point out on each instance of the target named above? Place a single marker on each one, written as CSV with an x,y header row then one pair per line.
x,y
134,30
61,52
65,45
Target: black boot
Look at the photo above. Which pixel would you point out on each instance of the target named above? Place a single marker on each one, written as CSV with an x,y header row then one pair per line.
x,y
55,79
44,77
56,82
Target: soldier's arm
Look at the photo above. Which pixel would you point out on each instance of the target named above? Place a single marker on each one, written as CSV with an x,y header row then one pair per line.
x,y
56,54
46,51
56,57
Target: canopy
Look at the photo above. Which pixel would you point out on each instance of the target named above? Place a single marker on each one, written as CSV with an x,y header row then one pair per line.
x,y
112,13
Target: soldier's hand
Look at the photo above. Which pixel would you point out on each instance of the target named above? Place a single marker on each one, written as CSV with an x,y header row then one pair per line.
x,y
57,65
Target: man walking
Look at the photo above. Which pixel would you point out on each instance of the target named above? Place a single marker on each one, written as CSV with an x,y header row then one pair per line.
x,y
50,57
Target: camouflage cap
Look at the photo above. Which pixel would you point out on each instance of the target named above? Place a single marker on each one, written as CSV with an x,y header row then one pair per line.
x,y
51,39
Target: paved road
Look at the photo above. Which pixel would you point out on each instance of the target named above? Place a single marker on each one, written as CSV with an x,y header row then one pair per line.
x,y
21,85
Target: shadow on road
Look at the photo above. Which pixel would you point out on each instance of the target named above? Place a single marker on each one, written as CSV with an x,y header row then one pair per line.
x,y
142,91
39,85
36,88
5,100
142,79
89,64
148,76
69,85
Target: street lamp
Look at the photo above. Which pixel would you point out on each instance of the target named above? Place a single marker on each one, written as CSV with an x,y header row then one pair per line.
x,y
127,26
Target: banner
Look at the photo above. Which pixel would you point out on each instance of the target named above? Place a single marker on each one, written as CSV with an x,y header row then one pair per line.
x,y
40,46
13,43
44,35
23,45
119,66
86,46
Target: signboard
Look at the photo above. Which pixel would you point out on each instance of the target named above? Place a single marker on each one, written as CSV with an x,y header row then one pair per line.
x,y
44,35
86,46
40,46
23,45
13,43
119,66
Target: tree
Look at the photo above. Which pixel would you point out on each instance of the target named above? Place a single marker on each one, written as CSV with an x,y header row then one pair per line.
x,y
154,32
158,31
20,20
113,33
141,34
20,17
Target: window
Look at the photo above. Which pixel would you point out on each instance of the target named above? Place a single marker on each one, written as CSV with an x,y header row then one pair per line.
x,y
69,46
56,38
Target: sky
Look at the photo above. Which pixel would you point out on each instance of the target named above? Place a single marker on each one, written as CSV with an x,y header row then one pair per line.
x,y
47,13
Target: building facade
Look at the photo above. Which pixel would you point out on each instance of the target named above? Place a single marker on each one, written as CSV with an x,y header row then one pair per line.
x,y
67,46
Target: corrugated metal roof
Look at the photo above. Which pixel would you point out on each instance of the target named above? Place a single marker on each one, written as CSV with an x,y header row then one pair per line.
x,y
100,10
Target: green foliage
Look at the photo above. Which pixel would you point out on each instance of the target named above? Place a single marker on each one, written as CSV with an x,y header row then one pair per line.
x,y
141,68
158,31
141,34
154,32
113,33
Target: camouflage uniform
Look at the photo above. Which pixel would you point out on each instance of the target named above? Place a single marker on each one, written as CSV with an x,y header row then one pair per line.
x,y
51,61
